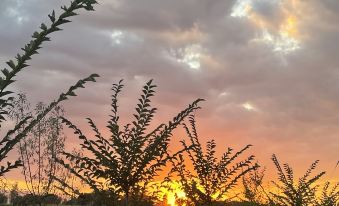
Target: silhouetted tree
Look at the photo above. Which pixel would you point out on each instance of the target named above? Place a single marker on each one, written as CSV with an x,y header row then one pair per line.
x,y
133,155
40,147
211,179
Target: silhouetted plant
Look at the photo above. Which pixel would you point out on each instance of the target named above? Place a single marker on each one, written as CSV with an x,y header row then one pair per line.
x,y
291,192
15,66
133,155
212,179
329,195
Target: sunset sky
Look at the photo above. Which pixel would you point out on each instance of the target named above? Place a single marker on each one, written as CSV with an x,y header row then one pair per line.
x,y
268,69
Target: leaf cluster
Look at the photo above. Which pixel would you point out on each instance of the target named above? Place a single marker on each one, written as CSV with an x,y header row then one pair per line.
x,y
329,195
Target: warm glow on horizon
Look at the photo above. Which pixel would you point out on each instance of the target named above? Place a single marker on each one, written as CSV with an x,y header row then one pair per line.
x,y
157,93
172,196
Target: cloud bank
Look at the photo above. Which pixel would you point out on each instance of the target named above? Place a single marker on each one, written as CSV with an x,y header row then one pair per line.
x,y
269,69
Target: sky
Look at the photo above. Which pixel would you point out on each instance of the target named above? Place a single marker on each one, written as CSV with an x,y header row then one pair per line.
x,y
268,69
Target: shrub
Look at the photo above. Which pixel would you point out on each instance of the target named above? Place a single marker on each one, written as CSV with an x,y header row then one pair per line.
x,y
133,154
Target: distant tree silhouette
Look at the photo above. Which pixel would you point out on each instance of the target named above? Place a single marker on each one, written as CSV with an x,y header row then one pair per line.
x,y
11,138
133,154
40,147
211,179
51,199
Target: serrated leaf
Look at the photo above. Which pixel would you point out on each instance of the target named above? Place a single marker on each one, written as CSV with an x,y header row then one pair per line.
x,y
43,27
11,64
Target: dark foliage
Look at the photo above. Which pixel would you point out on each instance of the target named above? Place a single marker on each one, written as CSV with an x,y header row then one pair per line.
x,y
329,195
292,192
30,199
51,199
3,198
14,195
132,156
212,179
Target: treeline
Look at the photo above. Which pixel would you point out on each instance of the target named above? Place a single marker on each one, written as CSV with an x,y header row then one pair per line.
x,y
120,168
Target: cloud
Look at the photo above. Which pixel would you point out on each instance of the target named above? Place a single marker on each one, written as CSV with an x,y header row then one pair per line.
x,y
294,93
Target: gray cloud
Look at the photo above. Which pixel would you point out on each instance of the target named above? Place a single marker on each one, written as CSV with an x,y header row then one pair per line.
x,y
295,95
